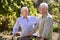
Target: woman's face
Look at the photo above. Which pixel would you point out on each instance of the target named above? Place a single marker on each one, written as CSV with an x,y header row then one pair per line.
x,y
24,13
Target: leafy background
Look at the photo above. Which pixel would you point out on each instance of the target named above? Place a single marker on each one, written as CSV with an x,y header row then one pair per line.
x,y
10,11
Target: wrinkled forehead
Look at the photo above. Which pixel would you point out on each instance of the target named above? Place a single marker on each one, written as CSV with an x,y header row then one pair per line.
x,y
42,8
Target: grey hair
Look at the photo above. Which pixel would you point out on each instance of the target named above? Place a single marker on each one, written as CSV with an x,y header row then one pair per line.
x,y
24,8
44,5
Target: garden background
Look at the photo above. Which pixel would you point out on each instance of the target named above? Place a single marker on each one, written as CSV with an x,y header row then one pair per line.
x,y
10,11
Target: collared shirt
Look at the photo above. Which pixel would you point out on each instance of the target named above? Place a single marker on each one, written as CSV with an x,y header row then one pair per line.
x,y
25,24
45,26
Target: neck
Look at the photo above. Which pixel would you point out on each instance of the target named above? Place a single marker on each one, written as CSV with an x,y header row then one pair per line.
x,y
45,14
25,17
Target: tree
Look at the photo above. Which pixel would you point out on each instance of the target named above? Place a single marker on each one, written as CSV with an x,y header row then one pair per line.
x,y
10,9
55,11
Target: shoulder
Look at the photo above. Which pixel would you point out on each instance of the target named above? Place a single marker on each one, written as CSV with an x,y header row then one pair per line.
x,y
49,18
32,17
19,18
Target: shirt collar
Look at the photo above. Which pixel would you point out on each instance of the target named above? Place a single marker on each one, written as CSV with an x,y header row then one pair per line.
x,y
24,18
45,15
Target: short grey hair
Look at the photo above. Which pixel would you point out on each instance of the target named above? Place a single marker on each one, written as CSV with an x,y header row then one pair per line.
x,y
44,5
24,8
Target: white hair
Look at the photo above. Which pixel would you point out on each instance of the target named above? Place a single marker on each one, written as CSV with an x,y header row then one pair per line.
x,y
45,5
24,8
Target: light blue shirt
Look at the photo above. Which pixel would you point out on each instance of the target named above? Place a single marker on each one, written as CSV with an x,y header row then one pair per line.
x,y
25,24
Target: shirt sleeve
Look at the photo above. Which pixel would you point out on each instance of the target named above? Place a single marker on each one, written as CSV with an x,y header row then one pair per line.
x,y
35,24
16,26
35,27
47,27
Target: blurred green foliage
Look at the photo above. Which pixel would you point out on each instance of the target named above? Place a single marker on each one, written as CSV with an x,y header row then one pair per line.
x,y
54,9
10,10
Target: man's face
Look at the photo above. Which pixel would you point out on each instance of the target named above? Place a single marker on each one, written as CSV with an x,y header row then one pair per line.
x,y
42,10
24,13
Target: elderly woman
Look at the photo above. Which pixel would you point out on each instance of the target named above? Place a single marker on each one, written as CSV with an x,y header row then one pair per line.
x,y
45,23
25,22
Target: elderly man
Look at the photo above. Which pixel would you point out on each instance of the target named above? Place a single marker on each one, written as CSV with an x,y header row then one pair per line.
x,y
45,23
25,22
